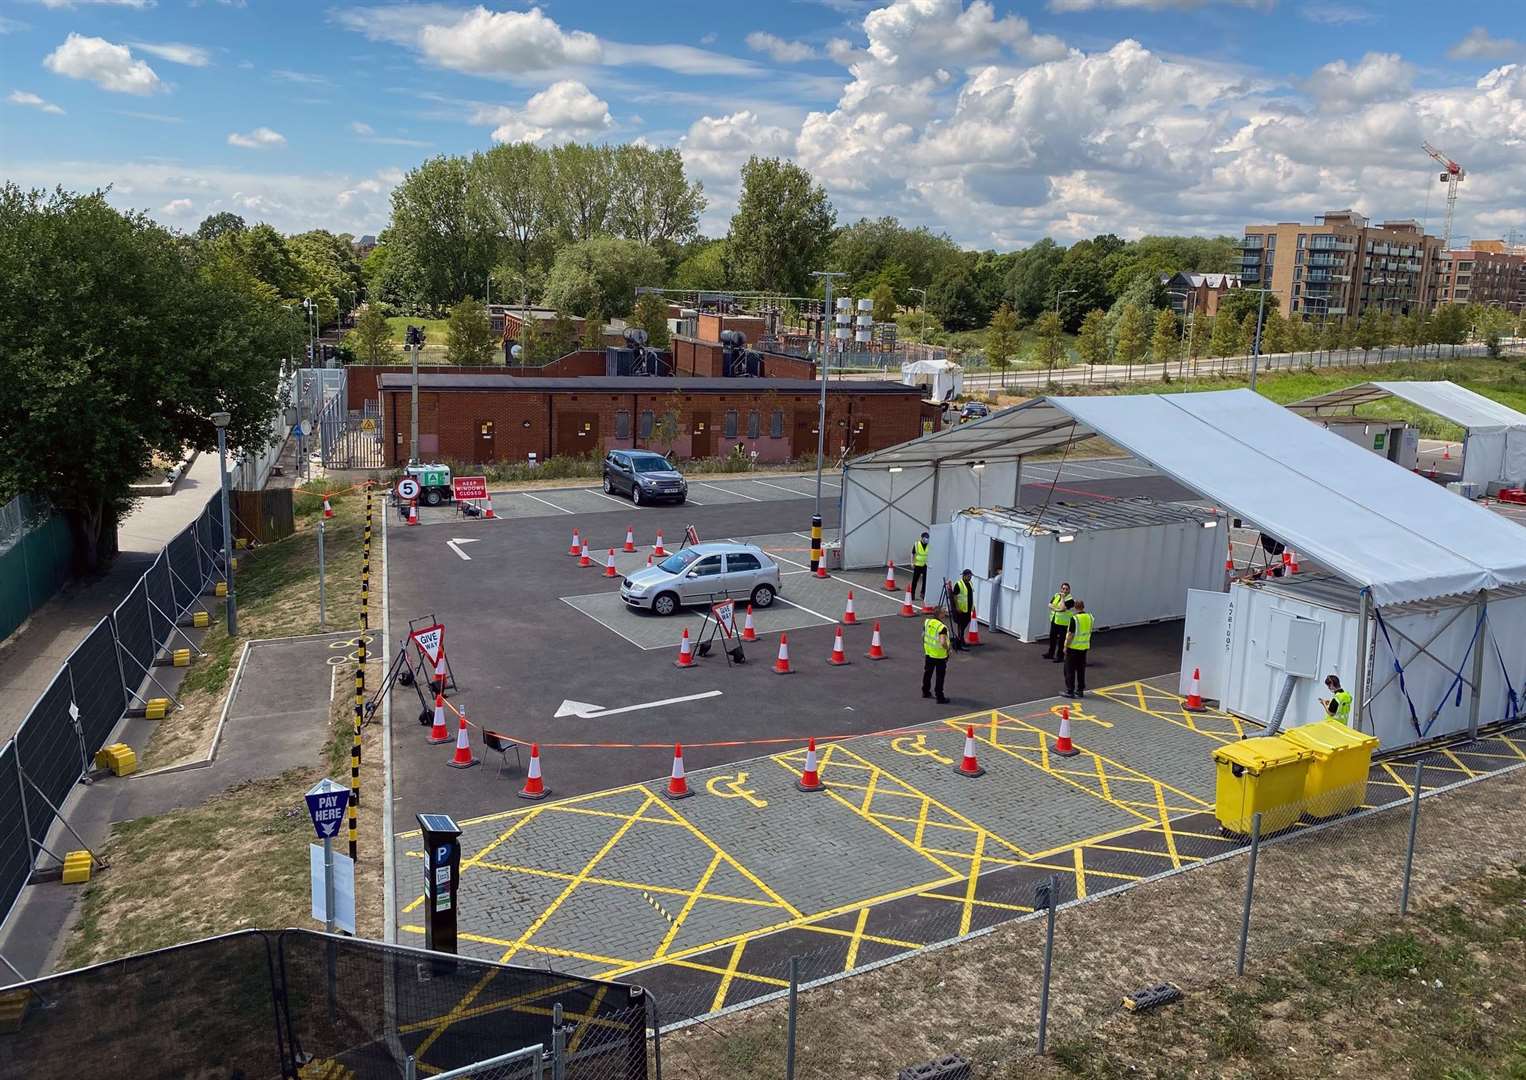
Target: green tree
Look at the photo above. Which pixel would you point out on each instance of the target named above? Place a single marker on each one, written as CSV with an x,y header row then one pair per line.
x,y
781,228
1412,330
121,340
875,250
1247,339
654,203
1277,335
1224,339
439,224
1031,278
1493,325
469,337
215,225
1163,340
1050,338
1080,284
582,178
883,296
703,269
1093,343
1002,340
561,335
1198,328
955,301
1131,335
593,330
512,195
371,340
1367,330
651,314
603,274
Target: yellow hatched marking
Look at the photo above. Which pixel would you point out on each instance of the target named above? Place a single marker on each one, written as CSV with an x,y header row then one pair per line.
x,y
544,950
718,1002
837,931
978,903
665,890
533,810
735,864
1173,712
1165,828
856,940
683,912
969,891
1454,759
1080,875
578,1032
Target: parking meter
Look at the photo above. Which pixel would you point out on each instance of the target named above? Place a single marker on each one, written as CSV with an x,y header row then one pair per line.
x,y
442,877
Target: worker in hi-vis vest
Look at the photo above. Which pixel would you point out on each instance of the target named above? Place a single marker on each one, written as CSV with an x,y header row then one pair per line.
x,y
1078,643
1338,704
962,593
919,568
934,655
1059,622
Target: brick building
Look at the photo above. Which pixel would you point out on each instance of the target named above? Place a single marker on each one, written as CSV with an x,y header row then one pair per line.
x,y
1198,294
1487,272
483,417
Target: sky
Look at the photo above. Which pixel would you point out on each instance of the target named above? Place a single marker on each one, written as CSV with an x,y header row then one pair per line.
x,y
996,122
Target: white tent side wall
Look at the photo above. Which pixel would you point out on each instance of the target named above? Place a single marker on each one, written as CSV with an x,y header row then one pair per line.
x,y
872,530
1483,456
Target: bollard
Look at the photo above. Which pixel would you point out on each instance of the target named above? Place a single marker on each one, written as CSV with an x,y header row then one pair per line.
x,y
1414,825
1044,895
1250,889
789,1034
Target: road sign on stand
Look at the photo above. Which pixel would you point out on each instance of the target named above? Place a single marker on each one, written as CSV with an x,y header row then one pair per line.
x,y
469,487
407,489
326,803
431,642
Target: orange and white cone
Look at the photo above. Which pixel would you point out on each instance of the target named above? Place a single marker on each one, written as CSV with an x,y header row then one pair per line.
x,y
577,545
928,609
849,616
657,548
1229,564
1062,744
487,510
463,758
972,632
439,733
413,512
583,559
908,609
630,539
1194,702
890,576
437,684
685,652
749,633
1446,452
649,560
535,788
876,650
328,511
968,766
810,776
609,565
678,783
838,657
1292,561
781,665
821,567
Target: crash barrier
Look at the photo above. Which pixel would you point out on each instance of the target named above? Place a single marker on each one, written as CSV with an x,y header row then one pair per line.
x,y
109,673
36,553
290,1003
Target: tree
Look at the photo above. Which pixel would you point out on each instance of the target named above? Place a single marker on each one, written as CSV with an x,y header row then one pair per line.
x,y
469,337
876,250
1242,302
653,202
1051,340
781,228
1367,330
1163,340
1131,335
120,341
583,187
1224,340
955,301
512,195
651,314
1030,281
883,296
215,225
1247,342
1198,328
1493,325
561,336
1002,340
1080,284
593,330
1093,344
1277,334
704,269
602,274
371,340
438,224
1412,330
1332,333
263,254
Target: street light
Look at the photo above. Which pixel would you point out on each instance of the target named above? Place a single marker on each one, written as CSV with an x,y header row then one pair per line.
x,y
1057,294
1186,311
826,277
921,314
220,421
1255,348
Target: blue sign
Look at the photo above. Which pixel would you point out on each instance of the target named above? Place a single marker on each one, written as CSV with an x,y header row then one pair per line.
x,y
326,804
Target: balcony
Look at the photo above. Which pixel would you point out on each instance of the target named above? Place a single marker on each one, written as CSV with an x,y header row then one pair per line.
x,y
1256,242
1250,274
1318,275
1323,260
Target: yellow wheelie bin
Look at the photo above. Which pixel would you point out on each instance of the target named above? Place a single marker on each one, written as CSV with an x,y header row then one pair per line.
x,y
1264,775
1336,781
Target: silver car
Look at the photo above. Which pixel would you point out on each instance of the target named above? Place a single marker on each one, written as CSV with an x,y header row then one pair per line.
x,y
703,575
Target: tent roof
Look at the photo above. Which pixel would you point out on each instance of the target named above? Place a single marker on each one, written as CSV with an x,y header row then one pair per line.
x,y
1376,525
929,367
1456,403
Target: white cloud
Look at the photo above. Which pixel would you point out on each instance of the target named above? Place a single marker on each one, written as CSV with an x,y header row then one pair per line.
x,y
785,52
1376,77
714,150
62,4
506,42
564,110
681,59
11,26
1155,5
261,138
1337,14
110,66
31,100
360,128
176,208
1477,44
176,52
158,118
301,78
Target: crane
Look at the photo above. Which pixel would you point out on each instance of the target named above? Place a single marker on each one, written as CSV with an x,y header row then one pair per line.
x,y
1451,177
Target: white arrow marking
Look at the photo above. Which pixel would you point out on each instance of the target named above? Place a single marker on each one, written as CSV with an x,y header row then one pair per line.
x,y
587,711
455,545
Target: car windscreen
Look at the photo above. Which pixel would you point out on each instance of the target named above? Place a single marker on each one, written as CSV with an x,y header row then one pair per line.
x,y
679,560
651,464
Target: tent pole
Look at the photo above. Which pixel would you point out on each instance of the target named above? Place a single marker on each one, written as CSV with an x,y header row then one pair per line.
x,y
1359,690
1478,667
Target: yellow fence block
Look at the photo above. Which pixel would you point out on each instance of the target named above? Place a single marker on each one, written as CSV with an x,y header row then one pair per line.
x,y
235,562
77,866
181,658
13,1006
325,1069
156,708
240,543
118,757
220,589
201,619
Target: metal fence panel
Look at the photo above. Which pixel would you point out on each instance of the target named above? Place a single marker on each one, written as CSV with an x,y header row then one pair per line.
x,y
161,595
182,559
98,689
135,634
15,847
50,754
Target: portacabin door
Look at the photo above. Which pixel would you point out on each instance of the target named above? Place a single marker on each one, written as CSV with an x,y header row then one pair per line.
x,y
1206,642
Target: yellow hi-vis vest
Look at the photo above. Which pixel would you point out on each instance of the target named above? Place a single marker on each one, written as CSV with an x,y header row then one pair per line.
x,y
1081,631
1057,608
1343,707
932,630
961,594
919,554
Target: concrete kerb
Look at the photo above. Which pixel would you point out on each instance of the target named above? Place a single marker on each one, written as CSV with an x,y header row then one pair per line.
x,y
1116,890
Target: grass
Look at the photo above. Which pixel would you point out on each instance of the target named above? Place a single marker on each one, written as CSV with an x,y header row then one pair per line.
x,y
434,337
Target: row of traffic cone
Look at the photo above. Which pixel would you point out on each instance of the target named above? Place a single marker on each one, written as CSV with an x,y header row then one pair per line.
x,y
578,549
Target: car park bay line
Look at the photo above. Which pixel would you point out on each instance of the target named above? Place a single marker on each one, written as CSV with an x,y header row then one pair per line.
x,y
611,498
779,487
728,491
553,505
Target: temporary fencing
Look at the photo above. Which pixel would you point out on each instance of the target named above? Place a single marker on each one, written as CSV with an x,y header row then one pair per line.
x,y
107,674
36,550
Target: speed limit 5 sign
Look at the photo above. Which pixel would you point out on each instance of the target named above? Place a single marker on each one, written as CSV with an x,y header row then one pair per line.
x,y
407,488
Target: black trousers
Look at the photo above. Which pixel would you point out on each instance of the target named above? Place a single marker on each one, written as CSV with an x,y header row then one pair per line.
x,y
961,622
1075,670
933,669
1056,648
919,577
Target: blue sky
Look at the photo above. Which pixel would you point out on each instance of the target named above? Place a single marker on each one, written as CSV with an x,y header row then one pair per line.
x,y
998,122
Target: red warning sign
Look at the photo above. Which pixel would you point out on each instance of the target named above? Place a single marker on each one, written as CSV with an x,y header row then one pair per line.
x,y
469,487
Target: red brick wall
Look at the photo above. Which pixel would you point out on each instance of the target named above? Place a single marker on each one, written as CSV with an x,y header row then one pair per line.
x,y
709,327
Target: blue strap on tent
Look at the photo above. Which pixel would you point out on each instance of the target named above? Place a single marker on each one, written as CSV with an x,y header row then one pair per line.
x,y
1414,717
1512,699
1457,680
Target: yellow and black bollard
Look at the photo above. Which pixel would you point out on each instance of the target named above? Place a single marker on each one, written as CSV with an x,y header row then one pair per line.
x,y
816,550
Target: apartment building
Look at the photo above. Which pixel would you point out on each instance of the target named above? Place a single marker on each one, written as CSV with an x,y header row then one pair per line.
x,y
1489,272
1342,264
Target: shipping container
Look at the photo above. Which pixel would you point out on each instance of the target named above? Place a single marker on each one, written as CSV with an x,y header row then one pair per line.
x,y
1392,439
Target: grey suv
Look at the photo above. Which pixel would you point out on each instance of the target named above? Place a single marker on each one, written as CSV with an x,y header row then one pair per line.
x,y
643,475
702,575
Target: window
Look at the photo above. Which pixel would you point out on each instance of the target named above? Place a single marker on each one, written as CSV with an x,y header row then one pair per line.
x,y
1298,258
646,423
742,562
776,425
730,430
623,424
707,567
752,423
1302,239
994,561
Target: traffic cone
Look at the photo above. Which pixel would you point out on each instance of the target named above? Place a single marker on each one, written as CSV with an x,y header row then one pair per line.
x,y
849,617
328,511
583,559
810,777
413,512
972,632
439,733
657,549
907,610
1446,452
463,758
928,609
678,784
630,539
890,576
748,633
781,665
1292,562
488,511
609,565
685,652
1229,564
1194,702
1062,744
1287,558
876,651
535,788
437,684
821,568
577,544
969,766
649,560
838,657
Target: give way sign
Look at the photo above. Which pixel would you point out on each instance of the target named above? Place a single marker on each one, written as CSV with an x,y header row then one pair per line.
x,y
431,641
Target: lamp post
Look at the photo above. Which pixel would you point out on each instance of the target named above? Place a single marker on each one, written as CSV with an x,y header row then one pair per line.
x,y
1255,348
817,553
1057,294
921,314
220,421
1186,297
414,340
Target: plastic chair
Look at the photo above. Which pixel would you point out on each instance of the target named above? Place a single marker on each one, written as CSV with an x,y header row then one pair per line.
x,y
503,745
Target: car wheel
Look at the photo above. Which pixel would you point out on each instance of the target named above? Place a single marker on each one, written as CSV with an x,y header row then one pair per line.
x,y
432,497
763,596
636,494
609,488
681,500
665,604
